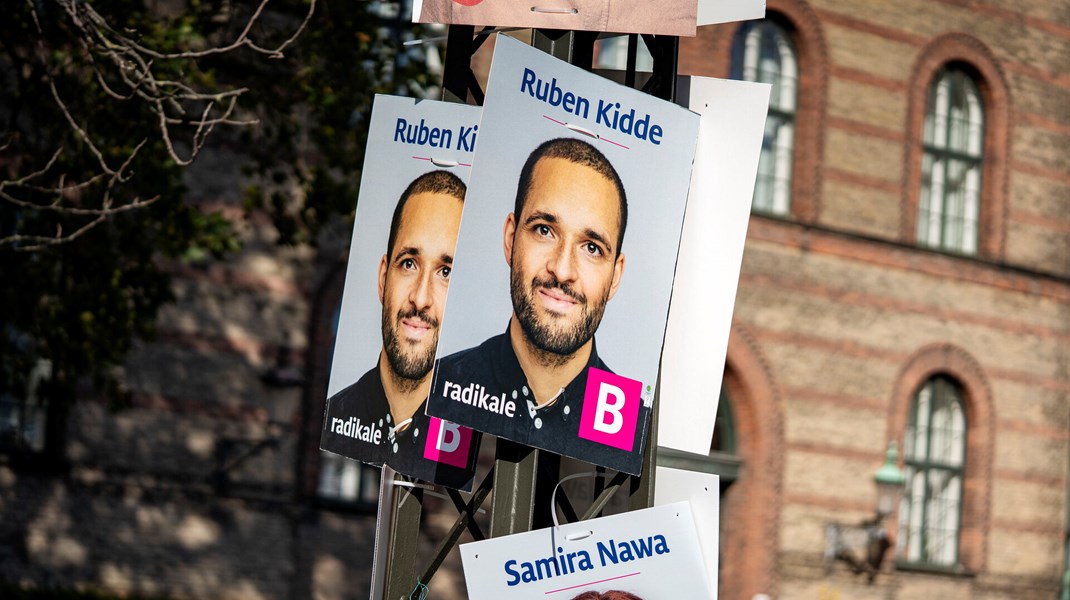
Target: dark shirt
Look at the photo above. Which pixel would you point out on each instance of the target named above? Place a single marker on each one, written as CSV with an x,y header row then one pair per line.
x,y
485,381
357,424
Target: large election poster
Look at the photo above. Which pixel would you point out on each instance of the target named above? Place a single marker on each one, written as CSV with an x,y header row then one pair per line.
x,y
666,17
564,265
647,554
412,194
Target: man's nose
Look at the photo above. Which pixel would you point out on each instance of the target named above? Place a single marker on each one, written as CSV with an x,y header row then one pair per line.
x,y
420,295
562,263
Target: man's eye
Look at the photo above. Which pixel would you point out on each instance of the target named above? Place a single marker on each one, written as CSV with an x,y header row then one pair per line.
x,y
593,249
543,230
444,272
408,264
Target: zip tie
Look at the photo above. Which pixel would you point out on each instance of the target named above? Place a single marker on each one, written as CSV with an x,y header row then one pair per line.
x,y
429,490
412,484
555,11
579,535
419,592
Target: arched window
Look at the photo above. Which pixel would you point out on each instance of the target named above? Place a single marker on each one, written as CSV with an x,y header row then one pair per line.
x,y
935,451
763,51
953,141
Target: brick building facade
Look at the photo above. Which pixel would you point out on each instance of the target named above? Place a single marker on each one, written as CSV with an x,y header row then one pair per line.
x,y
211,486
847,308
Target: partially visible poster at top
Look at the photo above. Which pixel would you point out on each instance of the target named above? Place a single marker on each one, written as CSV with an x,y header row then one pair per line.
x,y
665,17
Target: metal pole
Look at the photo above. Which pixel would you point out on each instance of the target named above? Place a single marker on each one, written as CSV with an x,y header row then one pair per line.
x,y
404,543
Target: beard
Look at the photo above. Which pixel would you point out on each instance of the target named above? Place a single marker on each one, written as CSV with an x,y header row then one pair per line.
x,y
563,340
408,360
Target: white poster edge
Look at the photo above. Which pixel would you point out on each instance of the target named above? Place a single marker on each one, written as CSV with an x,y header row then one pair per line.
x,y
712,12
705,510
732,123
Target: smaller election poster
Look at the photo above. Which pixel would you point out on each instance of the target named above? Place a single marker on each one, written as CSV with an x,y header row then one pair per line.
x,y
412,193
666,17
556,315
647,554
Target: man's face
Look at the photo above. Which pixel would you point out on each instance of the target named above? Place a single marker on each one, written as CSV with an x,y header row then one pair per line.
x,y
414,279
562,254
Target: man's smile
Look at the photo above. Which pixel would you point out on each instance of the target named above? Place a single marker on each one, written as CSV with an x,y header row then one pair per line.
x,y
415,328
556,300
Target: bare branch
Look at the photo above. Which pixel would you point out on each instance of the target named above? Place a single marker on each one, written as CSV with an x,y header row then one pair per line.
x,y
77,129
125,71
243,39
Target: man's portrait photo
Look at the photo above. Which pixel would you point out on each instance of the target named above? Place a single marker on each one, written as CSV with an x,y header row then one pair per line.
x,y
563,245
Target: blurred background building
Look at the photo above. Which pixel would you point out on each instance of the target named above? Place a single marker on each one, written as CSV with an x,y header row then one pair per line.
x,y
906,279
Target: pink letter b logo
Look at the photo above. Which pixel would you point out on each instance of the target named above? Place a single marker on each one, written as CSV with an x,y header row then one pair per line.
x,y
448,443
610,409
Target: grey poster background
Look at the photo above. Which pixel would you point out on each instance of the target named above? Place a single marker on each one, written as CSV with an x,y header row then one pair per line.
x,y
655,178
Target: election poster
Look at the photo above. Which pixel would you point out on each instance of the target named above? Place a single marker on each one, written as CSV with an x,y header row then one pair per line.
x,y
666,17
412,194
711,251
646,554
564,266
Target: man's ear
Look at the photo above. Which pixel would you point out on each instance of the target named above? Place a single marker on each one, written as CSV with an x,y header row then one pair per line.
x,y
509,233
382,278
618,272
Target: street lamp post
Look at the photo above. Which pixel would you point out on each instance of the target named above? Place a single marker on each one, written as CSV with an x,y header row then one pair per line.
x,y
863,546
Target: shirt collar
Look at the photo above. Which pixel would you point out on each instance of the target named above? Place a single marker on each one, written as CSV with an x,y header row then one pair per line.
x,y
509,367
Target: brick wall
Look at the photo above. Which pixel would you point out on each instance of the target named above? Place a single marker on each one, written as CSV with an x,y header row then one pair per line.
x,y
849,318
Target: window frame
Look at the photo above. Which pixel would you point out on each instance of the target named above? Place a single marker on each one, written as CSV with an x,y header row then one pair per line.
x,y
950,360
30,406
368,483
944,388
958,75
782,36
724,462
973,55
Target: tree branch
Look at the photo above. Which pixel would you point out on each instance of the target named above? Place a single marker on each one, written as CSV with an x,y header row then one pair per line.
x,y
125,70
